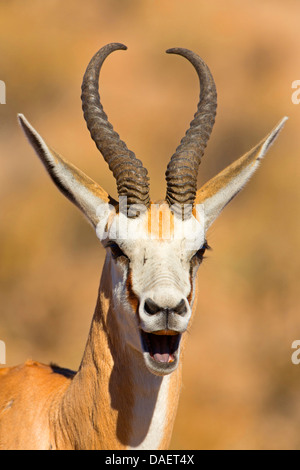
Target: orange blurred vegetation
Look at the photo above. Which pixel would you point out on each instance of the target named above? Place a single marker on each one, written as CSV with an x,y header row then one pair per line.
x,y
240,389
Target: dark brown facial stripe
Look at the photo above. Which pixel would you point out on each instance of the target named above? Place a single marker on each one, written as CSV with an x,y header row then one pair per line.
x,y
190,296
132,298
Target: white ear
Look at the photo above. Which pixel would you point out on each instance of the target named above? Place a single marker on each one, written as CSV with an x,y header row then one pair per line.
x,y
87,195
221,189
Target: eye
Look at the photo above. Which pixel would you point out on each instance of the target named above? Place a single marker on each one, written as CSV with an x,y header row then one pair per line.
x,y
200,253
116,251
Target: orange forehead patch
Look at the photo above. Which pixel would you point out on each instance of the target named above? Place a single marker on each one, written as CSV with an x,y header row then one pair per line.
x,y
160,221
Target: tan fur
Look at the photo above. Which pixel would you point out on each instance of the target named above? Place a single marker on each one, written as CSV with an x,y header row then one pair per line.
x,y
26,394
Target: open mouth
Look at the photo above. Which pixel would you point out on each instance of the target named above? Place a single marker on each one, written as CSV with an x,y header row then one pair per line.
x,y
161,351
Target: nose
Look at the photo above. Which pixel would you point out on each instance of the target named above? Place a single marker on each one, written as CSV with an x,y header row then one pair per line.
x,y
151,308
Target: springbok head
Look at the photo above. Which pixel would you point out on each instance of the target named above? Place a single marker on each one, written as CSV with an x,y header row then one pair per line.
x,y
153,249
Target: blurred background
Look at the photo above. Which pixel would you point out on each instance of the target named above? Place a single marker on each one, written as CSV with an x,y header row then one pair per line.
x,y
240,388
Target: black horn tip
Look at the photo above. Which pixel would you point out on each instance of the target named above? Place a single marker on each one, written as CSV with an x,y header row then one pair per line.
x,y
179,50
173,50
103,52
115,46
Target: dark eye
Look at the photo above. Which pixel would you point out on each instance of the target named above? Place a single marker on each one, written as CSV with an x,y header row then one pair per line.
x,y
200,253
116,251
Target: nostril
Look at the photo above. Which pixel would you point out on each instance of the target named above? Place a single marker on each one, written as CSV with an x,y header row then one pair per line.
x,y
151,307
181,309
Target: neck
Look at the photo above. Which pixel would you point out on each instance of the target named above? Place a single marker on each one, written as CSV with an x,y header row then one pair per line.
x,y
114,402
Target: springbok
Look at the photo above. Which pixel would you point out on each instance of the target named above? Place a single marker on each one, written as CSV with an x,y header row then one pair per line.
x,y
125,393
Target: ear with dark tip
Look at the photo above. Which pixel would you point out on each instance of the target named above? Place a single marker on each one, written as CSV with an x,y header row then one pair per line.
x,y
221,189
87,195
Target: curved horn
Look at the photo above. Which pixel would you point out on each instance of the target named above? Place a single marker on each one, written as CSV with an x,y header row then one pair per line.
x,y
182,171
131,176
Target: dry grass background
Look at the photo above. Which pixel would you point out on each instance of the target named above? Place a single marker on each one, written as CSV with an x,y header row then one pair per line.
x,y
240,388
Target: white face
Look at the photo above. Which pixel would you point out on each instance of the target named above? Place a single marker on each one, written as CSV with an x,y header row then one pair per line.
x,y
154,260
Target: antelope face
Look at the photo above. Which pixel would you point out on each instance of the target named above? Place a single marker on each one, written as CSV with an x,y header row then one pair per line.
x,y
153,251
154,259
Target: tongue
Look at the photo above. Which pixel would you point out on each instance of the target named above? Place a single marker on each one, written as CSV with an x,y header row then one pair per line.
x,y
160,348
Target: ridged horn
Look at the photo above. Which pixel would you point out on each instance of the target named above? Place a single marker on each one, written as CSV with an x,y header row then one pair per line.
x,y
131,176
182,170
